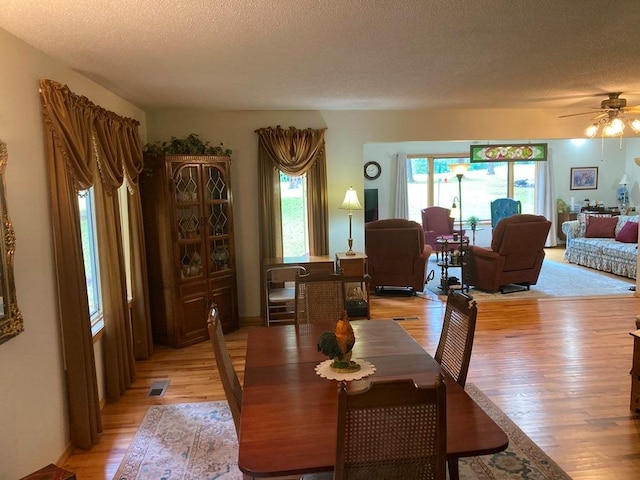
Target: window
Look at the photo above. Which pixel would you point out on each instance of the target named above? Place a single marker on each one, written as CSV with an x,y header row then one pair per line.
x,y
90,256
430,182
295,222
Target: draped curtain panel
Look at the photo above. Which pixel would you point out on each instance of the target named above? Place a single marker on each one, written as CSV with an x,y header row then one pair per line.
x,y
86,143
294,152
545,205
402,194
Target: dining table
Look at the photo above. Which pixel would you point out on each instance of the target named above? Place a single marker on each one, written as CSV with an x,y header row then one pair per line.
x,y
288,423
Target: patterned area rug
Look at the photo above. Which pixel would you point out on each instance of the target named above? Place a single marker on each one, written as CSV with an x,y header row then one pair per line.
x,y
197,441
557,279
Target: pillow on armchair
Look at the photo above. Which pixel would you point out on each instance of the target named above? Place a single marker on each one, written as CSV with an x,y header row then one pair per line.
x,y
601,227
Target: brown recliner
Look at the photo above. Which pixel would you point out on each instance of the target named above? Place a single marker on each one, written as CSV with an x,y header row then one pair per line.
x,y
515,256
396,254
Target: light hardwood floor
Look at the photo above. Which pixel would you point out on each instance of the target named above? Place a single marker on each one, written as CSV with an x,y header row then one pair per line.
x,y
558,368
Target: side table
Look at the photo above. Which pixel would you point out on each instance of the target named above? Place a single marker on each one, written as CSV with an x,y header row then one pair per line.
x,y
635,372
356,283
452,253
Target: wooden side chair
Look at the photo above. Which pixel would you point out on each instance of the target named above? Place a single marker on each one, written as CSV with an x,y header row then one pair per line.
x,y
228,375
392,430
319,297
280,293
456,341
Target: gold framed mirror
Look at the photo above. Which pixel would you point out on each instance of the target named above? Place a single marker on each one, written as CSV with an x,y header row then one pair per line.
x,y
11,323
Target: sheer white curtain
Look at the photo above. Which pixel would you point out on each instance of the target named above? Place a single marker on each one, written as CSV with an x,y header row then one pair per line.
x,y
545,204
402,197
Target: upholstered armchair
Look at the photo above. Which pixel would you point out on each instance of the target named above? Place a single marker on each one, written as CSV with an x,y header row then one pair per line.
x,y
437,222
515,256
396,254
503,208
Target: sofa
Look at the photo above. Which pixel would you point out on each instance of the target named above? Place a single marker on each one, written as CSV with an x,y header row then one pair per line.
x,y
396,254
605,243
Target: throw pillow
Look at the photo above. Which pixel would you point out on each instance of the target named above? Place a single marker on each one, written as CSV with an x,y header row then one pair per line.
x,y
601,227
628,233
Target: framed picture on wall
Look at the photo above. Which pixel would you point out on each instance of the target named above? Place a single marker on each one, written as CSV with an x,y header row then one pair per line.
x,y
584,178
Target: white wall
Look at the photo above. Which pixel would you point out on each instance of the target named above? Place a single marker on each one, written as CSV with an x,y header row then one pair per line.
x,y
32,406
564,155
347,134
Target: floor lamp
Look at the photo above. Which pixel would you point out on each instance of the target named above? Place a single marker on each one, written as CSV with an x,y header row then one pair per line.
x,y
459,169
350,203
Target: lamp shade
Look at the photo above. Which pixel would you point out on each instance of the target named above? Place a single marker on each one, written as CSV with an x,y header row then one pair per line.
x,y
459,168
624,180
350,201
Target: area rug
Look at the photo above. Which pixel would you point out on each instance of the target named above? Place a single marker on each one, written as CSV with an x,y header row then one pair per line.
x,y
197,441
557,279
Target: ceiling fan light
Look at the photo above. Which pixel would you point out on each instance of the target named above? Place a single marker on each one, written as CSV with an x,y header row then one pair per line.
x,y
635,125
591,130
614,128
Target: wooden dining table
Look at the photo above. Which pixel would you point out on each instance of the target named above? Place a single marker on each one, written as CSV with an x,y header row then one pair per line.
x,y
289,413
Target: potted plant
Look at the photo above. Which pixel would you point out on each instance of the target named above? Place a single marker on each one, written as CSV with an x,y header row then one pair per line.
x,y
191,145
473,222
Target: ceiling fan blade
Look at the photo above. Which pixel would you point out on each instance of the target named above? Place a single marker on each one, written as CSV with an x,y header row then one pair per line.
x,y
576,114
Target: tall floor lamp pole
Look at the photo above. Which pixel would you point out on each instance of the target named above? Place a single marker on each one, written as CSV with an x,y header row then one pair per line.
x,y
459,170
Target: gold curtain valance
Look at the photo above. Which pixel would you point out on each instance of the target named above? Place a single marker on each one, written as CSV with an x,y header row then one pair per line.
x,y
112,141
292,151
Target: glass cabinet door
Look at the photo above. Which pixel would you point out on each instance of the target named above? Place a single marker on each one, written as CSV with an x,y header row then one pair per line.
x,y
217,221
188,224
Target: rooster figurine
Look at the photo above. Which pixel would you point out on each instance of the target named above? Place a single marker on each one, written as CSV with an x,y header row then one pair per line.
x,y
337,345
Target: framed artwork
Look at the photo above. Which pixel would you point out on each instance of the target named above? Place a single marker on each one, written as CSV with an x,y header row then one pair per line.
x,y
584,178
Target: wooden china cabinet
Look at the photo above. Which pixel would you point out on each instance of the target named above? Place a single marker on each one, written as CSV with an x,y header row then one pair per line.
x,y
188,225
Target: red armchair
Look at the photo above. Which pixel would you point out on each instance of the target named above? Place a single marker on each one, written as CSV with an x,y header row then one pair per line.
x,y
396,254
515,256
437,222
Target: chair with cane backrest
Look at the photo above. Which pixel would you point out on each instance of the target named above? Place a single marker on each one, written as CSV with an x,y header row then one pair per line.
x,y
228,375
456,339
319,297
454,348
392,430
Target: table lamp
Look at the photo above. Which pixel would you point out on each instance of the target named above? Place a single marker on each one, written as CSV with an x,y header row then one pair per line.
x,y
350,203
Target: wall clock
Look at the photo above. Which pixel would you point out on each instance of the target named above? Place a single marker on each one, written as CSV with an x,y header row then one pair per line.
x,y
372,170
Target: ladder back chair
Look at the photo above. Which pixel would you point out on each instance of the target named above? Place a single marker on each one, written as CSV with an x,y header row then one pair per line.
x,y
280,294
228,375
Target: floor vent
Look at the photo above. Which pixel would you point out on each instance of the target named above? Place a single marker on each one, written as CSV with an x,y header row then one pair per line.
x,y
158,388
398,319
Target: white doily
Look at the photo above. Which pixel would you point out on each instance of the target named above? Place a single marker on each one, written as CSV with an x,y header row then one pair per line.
x,y
366,368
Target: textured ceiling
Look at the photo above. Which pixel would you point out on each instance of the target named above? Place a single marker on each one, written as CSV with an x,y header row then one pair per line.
x,y
343,54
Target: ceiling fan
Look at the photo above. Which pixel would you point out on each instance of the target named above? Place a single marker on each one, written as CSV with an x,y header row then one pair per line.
x,y
611,117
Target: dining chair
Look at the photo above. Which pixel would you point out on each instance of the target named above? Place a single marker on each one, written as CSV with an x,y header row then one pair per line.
x,y
456,339
280,293
319,297
392,430
228,375
454,348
